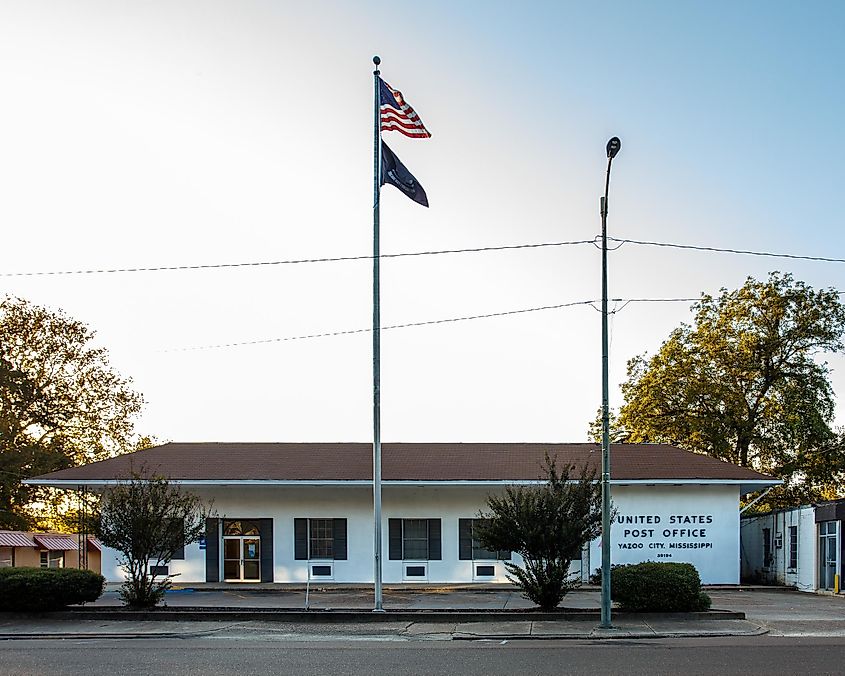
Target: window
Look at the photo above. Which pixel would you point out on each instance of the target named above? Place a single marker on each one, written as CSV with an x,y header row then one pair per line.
x,y
469,546
767,547
316,539
7,557
52,559
320,539
240,528
414,539
793,547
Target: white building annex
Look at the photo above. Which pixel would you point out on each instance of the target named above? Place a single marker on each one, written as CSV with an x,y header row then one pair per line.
x,y
802,547
290,512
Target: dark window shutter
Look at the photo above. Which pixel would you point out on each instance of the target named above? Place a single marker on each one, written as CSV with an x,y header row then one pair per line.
x,y
435,552
300,539
180,553
265,530
394,527
339,534
465,539
212,550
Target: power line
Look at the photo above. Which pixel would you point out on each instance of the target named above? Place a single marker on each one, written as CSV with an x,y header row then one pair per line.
x,y
383,328
435,252
431,322
296,261
745,252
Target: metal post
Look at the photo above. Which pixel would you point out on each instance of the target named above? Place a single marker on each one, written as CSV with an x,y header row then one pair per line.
x,y
377,607
612,148
82,531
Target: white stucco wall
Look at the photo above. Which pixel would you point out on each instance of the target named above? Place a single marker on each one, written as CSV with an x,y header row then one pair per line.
x,y
804,576
716,555
683,524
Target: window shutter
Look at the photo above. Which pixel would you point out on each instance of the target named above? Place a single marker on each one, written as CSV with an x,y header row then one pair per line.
x,y
394,527
212,550
339,534
265,533
300,539
180,552
434,547
465,539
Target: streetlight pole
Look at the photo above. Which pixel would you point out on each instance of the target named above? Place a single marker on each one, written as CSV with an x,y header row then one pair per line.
x,y
613,146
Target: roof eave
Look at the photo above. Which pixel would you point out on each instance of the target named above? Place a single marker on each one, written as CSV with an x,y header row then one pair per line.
x,y
745,485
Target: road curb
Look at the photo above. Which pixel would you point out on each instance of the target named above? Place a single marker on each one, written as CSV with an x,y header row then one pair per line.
x,y
760,631
457,636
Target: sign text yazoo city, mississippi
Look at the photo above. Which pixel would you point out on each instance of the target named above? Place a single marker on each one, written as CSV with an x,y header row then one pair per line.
x,y
660,534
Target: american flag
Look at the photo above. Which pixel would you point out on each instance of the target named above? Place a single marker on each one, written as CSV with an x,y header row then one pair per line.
x,y
397,115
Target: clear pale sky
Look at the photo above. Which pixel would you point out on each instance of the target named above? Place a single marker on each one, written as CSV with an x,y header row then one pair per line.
x,y
168,133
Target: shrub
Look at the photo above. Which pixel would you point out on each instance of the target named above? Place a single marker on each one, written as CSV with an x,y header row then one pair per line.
x,y
40,589
547,525
658,587
147,519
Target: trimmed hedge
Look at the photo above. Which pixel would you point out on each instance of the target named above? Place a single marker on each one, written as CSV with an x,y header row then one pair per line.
x,y
658,588
40,589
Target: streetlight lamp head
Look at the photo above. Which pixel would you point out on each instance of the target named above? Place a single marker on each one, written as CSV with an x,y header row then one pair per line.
x,y
613,146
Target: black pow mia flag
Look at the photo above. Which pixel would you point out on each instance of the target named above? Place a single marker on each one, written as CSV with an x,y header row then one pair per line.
x,y
396,174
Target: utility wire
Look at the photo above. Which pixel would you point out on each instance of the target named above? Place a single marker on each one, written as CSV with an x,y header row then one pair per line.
x,y
297,261
383,328
745,252
252,264
431,322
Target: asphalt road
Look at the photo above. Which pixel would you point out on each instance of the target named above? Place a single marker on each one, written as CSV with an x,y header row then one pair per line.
x,y
242,655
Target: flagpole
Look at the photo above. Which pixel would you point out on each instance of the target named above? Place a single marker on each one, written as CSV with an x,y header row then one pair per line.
x,y
377,607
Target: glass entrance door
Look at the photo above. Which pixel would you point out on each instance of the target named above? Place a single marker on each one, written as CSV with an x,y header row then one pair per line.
x,y
828,553
241,558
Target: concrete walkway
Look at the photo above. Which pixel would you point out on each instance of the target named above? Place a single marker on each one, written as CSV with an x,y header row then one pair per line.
x,y
46,628
411,614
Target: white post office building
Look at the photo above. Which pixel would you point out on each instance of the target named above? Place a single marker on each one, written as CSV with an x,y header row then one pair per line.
x,y
290,512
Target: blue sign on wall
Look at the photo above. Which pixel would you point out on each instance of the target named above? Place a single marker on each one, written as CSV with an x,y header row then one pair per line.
x,y
202,542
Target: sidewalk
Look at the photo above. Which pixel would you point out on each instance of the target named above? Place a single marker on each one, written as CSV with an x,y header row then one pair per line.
x,y
391,630
411,614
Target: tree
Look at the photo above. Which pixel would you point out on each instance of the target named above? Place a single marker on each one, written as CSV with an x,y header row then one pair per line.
x,y
744,384
148,519
61,404
617,434
547,525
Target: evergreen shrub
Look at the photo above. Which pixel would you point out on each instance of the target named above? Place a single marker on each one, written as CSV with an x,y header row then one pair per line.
x,y
658,588
41,589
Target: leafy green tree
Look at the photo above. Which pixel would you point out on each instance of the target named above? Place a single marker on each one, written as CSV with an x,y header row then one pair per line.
x,y
744,383
547,525
617,434
147,519
61,404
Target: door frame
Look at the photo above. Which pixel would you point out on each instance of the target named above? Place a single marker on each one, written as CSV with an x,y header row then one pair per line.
x,y
242,539
826,543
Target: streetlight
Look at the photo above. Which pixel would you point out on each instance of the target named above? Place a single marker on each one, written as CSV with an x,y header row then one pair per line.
x,y
613,147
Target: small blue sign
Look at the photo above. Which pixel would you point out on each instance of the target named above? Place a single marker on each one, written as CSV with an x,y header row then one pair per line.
x,y
202,542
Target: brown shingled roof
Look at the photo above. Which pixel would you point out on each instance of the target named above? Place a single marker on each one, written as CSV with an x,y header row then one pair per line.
x,y
400,462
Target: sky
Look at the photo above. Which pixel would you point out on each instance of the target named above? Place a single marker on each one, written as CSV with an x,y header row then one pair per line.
x,y
197,133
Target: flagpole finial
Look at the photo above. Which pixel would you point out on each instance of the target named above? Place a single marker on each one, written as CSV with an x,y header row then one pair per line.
x,y
376,61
